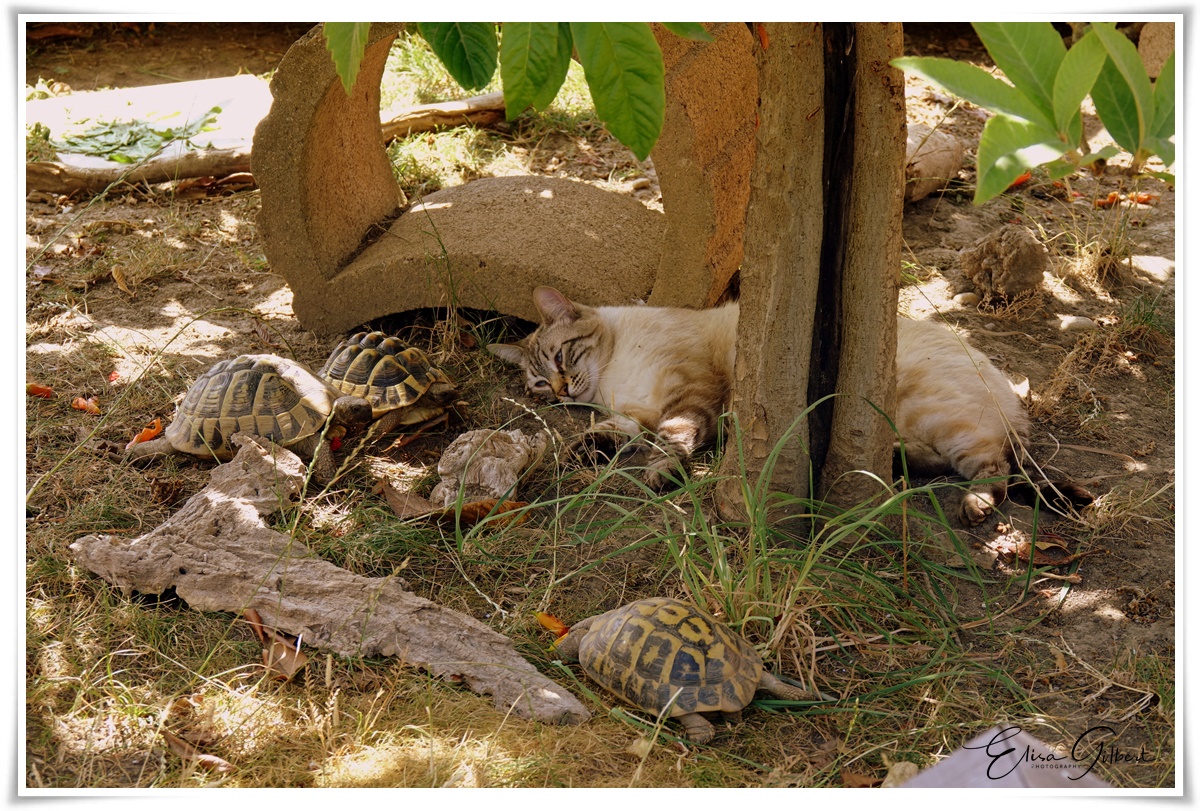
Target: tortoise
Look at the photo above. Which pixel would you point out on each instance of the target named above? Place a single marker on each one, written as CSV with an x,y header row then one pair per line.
x,y
648,651
402,385
265,395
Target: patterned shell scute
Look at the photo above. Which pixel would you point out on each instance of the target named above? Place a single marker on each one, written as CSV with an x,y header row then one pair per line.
x,y
648,650
265,395
381,368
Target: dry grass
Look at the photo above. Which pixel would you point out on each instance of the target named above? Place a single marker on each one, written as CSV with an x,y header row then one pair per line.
x,y
882,621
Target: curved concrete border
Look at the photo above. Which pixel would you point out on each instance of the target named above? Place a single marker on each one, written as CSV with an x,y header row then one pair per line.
x,y
329,197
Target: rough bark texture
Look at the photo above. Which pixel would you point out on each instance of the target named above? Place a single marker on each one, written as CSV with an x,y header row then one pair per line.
x,y
859,436
479,111
819,280
219,556
784,221
69,178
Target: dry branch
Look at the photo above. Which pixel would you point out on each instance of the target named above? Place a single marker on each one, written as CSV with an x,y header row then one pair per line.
x,y
71,178
219,555
480,111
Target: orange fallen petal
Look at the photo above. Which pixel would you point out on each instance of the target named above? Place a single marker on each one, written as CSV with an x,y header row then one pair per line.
x,y
146,434
114,376
38,390
1022,178
551,623
1110,201
89,405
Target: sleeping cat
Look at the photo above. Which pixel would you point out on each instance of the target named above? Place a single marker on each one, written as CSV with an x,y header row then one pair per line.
x,y
669,371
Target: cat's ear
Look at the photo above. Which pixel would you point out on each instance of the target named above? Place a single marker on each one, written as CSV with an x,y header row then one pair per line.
x,y
554,306
510,353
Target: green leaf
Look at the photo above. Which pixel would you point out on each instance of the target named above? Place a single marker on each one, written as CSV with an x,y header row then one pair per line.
x,y
1059,169
1163,125
1117,107
1124,56
1164,148
974,84
1007,147
693,31
1029,54
534,58
468,50
346,43
624,70
1075,78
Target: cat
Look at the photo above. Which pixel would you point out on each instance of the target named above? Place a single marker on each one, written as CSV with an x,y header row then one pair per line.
x,y
669,371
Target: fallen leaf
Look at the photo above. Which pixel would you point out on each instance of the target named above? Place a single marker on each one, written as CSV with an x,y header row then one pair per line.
x,y
186,751
407,505
38,390
640,747
89,405
118,274
281,654
856,780
146,434
899,773
474,512
552,623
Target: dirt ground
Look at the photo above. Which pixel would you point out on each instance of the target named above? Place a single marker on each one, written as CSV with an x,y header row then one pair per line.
x,y
1102,391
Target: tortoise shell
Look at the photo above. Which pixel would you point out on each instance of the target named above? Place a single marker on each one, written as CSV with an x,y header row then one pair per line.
x,y
265,395
383,369
648,650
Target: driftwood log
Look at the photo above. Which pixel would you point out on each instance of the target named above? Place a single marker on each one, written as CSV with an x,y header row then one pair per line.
x,y
219,555
480,111
92,176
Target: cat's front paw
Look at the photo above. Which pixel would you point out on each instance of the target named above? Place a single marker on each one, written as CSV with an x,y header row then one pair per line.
x,y
976,507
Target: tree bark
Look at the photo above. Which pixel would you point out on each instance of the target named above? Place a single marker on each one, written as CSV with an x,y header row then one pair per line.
x,y
859,436
780,265
819,278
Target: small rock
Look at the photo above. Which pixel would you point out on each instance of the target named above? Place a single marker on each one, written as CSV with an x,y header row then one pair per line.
x,y
1075,323
640,183
967,299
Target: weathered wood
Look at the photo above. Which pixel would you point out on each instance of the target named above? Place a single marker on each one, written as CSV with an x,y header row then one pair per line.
x,y
71,178
219,555
479,111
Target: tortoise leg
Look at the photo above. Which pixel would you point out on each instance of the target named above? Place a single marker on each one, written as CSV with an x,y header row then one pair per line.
x,y
324,466
697,728
773,686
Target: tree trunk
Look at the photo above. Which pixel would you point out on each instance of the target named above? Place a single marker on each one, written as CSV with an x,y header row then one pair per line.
x,y
818,282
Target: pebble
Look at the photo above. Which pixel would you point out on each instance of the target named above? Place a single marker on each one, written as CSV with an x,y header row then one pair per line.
x,y
640,183
967,299
1075,323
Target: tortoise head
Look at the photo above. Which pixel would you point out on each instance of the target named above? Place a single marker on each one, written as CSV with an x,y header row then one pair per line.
x,y
351,412
567,645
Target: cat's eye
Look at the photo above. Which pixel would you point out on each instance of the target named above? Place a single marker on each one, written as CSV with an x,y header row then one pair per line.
x,y
539,385
558,358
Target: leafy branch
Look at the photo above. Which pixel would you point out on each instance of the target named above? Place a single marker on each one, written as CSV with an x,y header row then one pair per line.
x,y
1038,121
622,64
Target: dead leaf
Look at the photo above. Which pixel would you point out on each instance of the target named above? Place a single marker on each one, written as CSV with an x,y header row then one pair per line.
x,y
1046,553
187,751
899,773
407,505
476,511
118,274
283,657
640,747
263,334
855,780
146,434
281,653
89,405
38,390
